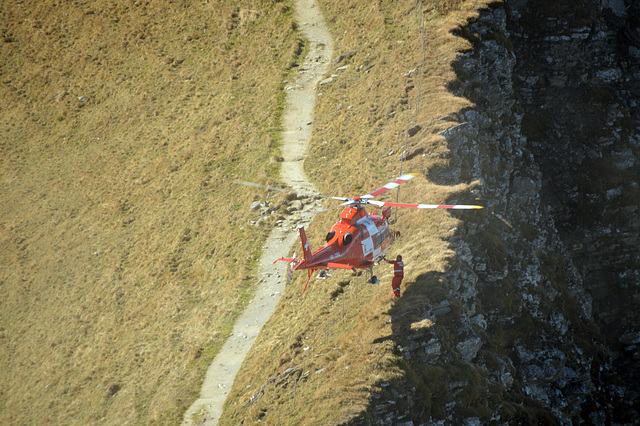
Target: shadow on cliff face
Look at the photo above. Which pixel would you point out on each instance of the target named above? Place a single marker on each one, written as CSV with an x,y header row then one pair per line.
x,y
452,372
580,117
506,334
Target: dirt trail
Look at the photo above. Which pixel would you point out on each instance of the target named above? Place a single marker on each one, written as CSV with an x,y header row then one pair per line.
x,y
297,127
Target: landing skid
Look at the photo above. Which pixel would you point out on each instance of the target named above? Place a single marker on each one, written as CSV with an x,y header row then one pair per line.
x,y
324,274
373,279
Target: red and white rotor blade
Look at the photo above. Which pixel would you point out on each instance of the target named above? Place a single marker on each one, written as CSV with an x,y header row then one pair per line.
x,y
426,206
390,185
332,208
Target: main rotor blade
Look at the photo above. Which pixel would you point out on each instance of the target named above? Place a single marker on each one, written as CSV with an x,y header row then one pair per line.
x,y
390,185
334,207
308,194
425,206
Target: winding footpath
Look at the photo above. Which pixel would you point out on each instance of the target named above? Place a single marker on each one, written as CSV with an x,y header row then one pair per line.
x,y
297,127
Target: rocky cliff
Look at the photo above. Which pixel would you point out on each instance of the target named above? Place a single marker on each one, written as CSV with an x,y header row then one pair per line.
x,y
540,324
578,81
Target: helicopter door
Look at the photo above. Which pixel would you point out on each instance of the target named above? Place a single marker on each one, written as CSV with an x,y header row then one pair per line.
x,y
367,246
365,240
368,237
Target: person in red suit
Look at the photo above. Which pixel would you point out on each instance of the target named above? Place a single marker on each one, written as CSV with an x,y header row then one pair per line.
x,y
398,275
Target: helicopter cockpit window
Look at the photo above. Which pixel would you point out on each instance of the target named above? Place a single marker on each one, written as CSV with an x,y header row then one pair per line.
x,y
330,236
348,237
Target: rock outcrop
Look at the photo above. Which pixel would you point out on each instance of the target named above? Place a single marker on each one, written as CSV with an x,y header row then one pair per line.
x,y
581,119
540,323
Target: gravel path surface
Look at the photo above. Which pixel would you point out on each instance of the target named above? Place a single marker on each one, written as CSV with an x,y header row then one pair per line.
x,y
297,124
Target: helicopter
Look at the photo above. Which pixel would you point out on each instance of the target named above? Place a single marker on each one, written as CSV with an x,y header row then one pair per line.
x,y
359,239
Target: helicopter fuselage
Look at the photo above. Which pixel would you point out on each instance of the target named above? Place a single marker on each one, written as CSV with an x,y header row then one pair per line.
x,y
358,239
355,241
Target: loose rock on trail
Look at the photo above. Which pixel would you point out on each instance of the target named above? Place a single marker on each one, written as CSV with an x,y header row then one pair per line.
x,y
297,125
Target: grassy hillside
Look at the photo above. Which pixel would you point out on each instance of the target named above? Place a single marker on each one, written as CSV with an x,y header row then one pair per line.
x,y
324,357
125,247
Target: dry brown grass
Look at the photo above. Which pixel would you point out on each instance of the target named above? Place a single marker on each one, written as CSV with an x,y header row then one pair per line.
x,y
126,249
323,356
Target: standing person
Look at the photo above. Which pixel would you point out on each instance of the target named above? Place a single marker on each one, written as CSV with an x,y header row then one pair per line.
x,y
398,275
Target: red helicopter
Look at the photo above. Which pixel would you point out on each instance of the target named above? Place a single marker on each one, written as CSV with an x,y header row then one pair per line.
x,y
359,239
